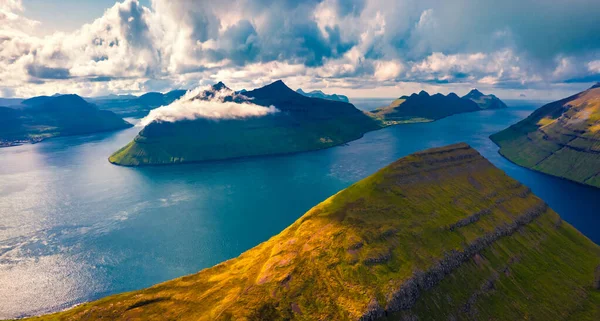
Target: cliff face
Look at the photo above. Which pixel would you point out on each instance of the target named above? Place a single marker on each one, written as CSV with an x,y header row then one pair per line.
x,y
437,235
561,139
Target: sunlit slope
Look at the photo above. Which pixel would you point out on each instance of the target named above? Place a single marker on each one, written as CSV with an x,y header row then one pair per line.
x,y
303,124
561,138
437,235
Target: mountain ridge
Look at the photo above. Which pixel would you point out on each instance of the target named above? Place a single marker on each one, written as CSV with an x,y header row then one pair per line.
x,y
423,107
322,95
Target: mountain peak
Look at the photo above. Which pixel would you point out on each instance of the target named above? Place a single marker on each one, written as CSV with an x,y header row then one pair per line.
x,y
69,98
423,93
219,86
278,84
475,93
597,85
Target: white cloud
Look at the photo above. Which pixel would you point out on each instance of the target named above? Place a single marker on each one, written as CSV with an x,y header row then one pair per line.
x,y
196,104
594,66
351,43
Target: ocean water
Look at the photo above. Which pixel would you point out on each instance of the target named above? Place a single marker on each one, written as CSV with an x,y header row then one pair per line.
x,y
75,228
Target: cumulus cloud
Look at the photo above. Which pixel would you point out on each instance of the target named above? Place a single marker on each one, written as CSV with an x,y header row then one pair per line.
x,y
315,43
208,104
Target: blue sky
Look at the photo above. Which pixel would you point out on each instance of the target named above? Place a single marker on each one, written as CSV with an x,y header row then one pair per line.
x,y
360,48
66,15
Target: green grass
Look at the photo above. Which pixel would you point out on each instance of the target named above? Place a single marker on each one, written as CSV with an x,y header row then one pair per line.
x,y
559,139
206,140
354,251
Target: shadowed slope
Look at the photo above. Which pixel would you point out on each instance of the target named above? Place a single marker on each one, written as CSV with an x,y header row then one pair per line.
x,y
45,117
423,107
561,139
438,234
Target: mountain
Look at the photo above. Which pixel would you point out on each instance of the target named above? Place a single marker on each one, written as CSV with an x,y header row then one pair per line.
x,y
437,235
137,107
485,101
561,138
322,95
423,107
301,124
44,117
36,100
10,101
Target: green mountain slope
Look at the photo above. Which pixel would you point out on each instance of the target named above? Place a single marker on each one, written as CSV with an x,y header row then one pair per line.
x,y
437,235
561,138
45,117
303,124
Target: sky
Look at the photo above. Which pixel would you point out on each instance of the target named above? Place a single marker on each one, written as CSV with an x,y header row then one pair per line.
x,y
360,48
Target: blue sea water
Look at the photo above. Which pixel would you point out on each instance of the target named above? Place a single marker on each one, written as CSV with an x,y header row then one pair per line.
x,y
75,228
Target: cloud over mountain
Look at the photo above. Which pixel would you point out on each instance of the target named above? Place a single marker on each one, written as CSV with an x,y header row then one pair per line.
x,y
316,43
208,103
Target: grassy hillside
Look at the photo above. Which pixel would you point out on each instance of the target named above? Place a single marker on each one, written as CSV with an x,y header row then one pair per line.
x,y
561,139
45,117
303,124
437,235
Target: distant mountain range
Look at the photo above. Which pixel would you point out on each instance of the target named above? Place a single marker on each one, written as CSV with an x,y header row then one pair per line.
x,y
303,124
561,138
322,95
137,107
423,107
44,117
438,235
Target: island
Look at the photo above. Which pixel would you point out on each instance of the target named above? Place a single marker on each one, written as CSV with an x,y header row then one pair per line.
x,y
291,123
438,235
561,139
423,107
42,117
